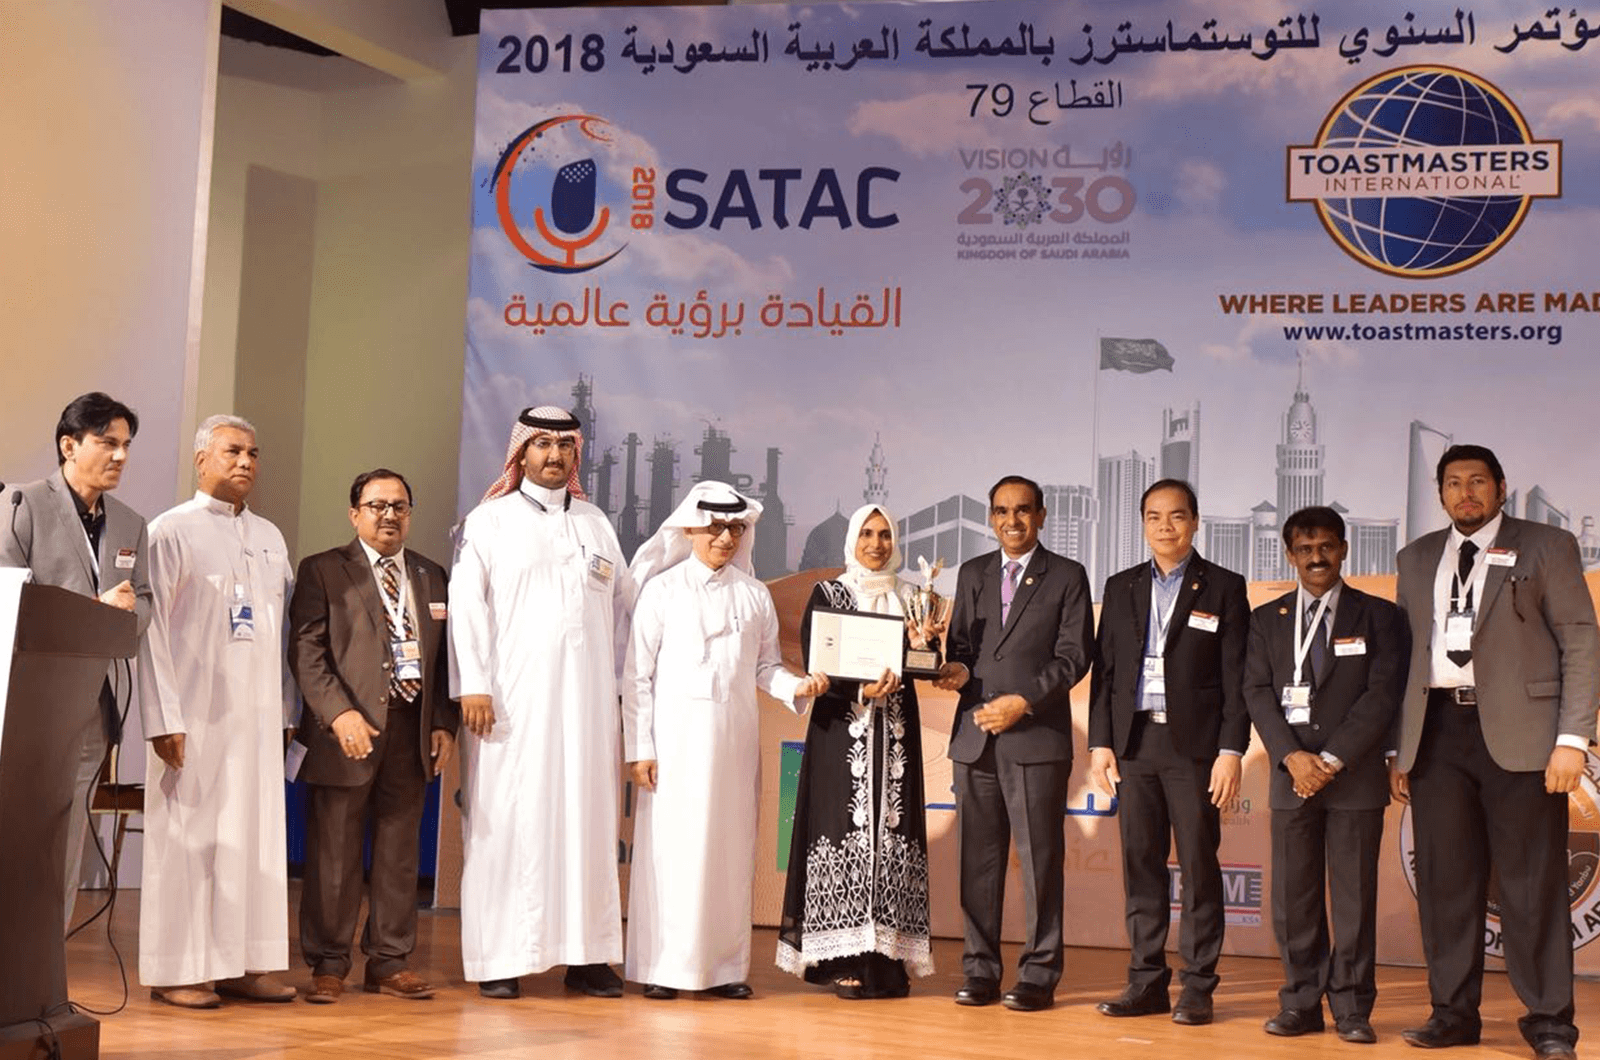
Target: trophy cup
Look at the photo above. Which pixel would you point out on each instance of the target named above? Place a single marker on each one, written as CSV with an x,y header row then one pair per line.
x,y
927,619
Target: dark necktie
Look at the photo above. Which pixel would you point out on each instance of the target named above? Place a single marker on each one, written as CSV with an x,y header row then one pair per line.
x,y
401,689
1319,641
1464,588
1008,588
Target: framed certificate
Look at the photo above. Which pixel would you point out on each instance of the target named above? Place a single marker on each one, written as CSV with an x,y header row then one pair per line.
x,y
856,645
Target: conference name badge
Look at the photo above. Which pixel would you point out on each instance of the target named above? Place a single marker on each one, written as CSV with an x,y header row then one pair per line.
x,y
1296,703
407,660
1349,645
1201,620
1501,557
437,611
1155,675
124,559
600,569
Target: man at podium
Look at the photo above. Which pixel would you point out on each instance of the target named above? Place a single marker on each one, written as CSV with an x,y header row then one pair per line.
x,y
69,532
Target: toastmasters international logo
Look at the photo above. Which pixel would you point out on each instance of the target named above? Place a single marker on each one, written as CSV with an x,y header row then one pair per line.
x,y
548,198
1424,171
1583,864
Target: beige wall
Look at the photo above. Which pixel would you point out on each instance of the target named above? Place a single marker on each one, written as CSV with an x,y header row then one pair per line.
x,y
106,121
380,353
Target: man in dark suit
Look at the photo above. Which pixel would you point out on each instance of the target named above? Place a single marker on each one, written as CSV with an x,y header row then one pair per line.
x,y
1167,703
367,650
1020,638
70,532
1498,712
1323,677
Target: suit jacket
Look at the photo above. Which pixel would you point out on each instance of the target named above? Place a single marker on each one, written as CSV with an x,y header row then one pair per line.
x,y
1039,654
1535,647
1353,703
1204,670
43,533
340,656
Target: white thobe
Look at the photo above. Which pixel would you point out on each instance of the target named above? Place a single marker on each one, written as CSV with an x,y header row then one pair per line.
x,y
215,902
535,600
702,642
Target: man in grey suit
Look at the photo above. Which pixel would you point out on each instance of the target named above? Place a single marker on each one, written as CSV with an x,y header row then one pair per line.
x,y
1021,635
1499,709
366,645
71,533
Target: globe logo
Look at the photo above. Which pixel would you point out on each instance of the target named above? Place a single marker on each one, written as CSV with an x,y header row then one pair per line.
x,y
1424,171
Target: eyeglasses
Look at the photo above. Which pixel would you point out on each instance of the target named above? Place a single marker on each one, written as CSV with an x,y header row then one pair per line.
x,y
380,508
716,530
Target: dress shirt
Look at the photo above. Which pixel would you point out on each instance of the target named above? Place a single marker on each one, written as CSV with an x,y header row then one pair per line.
x,y
1442,673
1163,601
373,556
94,525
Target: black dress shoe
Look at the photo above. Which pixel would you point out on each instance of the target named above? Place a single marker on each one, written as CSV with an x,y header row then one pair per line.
x,y
1029,997
500,989
1192,1010
1551,1047
732,991
1437,1034
656,992
596,980
1293,1022
978,991
1354,1028
1136,1003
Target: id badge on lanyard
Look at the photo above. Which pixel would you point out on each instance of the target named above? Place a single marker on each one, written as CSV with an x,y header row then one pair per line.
x,y
241,617
407,659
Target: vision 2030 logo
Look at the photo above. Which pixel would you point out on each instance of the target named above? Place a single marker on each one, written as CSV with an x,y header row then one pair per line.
x,y
1583,864
553,183
1424,171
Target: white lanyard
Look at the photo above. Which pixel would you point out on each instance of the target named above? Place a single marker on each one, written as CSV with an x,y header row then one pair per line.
x,y
1302,643
1163,622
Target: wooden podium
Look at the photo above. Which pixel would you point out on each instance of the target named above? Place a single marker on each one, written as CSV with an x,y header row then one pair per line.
x,y
58,658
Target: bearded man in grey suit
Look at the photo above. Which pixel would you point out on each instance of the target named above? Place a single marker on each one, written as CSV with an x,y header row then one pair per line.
x,y
1499,709
71,533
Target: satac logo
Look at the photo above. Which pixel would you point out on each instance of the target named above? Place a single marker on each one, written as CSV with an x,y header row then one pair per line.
x,y
565,230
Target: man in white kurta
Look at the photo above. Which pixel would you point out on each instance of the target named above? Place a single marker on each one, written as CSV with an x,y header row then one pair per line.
x,y
538,590
704,637
216,698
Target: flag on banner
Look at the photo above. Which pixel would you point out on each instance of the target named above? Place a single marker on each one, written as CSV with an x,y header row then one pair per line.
x,y
1134,355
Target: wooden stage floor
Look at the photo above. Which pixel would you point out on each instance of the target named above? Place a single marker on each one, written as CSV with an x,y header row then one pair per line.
x,y
787,1018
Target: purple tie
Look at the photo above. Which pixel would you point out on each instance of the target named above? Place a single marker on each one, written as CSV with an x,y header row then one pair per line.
x,y
1008,588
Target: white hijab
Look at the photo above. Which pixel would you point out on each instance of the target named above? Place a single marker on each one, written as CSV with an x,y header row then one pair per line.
x,y
877,591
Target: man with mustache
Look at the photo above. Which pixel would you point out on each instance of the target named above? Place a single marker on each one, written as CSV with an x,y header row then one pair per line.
x,y
1323,677
216,698
1498,712
70,532
540,595
366,644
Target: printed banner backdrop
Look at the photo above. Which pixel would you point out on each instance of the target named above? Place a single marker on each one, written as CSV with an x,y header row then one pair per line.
x,y
895,251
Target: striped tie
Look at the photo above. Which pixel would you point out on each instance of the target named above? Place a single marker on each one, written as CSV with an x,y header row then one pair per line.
x,y
401,689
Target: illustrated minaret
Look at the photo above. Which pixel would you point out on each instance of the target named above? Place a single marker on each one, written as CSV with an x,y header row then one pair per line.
x,y
663,482
877,491
582,391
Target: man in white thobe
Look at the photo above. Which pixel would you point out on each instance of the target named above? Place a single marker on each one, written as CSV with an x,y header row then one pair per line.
x,y
216,698
705,635
537,594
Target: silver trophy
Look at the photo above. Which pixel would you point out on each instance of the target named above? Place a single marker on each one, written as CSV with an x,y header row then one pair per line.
x,y
927,619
